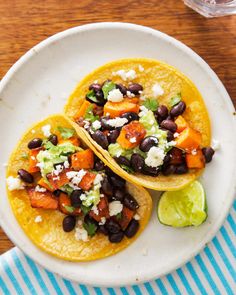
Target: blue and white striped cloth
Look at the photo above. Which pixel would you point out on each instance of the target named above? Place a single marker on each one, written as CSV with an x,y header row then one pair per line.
x,y
210,272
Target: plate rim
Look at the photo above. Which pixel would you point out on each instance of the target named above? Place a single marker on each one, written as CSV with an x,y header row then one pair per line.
x,y
184,48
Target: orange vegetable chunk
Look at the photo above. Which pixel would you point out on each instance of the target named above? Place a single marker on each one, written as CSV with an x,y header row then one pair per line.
x,y
189,139
181,124
195,160
81,112
64,201
42,183
33,160
87,181
131,135
83,160
73,140
116,109
126,216
57,181
103,210
44,200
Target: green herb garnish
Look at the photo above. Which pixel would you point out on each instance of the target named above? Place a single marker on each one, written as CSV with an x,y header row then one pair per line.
x,y
70,209
92,96
85,209
107,87
25,156
67,189
127,168
119,216
89,115
175,99
151,104
90,228
66,132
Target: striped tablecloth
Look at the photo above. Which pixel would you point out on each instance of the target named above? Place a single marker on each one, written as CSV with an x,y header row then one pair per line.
x,y
210,272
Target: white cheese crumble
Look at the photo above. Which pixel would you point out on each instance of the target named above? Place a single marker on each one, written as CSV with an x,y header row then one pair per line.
x,y
136,216
130,94
133,139
103,221
46,130
96,125
143,112
14,183
66,164
86,124
157,90
80,233
194,152
129,75
155,157
215,144
95,209
75,176
140,68
38,219
115,207
83,197
115,95
176,134
98,179
170,144
58,169
40,189
117,122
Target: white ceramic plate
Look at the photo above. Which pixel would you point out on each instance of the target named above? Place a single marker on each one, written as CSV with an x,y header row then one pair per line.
x,y
38,85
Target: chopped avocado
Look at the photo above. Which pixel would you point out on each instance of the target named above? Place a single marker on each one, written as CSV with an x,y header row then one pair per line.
x,y
66,132
92,198
116,150
175,99
107,87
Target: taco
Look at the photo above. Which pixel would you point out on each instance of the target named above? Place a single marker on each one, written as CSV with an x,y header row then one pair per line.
x,y
66,200
146,119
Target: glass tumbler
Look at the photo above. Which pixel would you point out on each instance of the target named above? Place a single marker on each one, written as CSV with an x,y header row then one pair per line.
x,y
212,8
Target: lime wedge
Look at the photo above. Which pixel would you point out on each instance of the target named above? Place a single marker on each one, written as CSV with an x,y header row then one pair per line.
x,y
184,207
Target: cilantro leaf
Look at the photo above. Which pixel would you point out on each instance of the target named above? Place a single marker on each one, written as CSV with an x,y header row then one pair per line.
x,y
70,209
90,228
107,87
119,216
89,115
151,104
66,132
67,189
91,96
25,156
127,168
85,209
175,99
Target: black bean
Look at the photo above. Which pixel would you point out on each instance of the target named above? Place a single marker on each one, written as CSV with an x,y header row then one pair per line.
x,y
152,171
181,169
208,153
169,125
162,112
108,171
104,124
75,198
53,139
137,162
101,139
116,238
147,143
103,229
57,193
132,228
170,136
122,88
166,159
178,109
176,156
112,226
135,88
130,202
25,176
99,166
106,187
68,223
130,116
113,135
35,143
95,87
88,219
117,181
121,160
100,97
168,169
118,195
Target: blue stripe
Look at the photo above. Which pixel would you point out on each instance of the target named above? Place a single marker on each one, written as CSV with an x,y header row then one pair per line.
x,y
161,286
218,271
12,277
4,287
53,282
111,291
84,289
149,288
196,278
124,291
69,287
234,205
173,284
231,223
98,291
224,258
22,272
207,275
136,290
37,275
228,240
184,281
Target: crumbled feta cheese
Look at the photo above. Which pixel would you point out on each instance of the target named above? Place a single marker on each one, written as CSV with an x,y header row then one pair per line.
x,y
136,216
145,252
83,197
33,131
95,210
140,68
115,207
80,233
215,144
103,221
98,179
140,91
157,90
130,94
115,95
86,124
40,189
117,122
38,219
96,125
40,165
58,169
46,130
143,110
170,144
155,157
66,164
129,75
194,152
133,139
75,176
14,183
176,134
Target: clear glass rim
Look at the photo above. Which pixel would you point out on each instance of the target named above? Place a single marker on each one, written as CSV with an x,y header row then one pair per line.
x,y
218,5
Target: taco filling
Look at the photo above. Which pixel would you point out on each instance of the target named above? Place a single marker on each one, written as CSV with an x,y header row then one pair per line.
x,y
141,134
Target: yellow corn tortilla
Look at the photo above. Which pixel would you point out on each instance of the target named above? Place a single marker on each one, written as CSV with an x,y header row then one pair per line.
x,y
48,234
173,82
